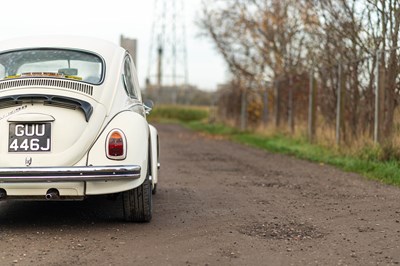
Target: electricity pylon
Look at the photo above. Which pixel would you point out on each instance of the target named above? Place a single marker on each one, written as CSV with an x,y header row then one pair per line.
x,y
167,65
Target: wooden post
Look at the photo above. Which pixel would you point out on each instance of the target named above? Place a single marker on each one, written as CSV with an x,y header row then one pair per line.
x,y
379,96
339,106
243,116
290,106
311,109
265,107
382,98
277,105
376,113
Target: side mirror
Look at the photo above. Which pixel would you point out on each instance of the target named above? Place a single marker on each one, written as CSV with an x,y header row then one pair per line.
x,y
148,106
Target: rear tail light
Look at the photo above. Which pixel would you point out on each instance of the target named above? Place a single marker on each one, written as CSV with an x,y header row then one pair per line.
x,y
116,145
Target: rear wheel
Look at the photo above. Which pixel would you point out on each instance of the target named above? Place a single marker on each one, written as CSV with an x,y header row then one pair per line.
x,y
138,203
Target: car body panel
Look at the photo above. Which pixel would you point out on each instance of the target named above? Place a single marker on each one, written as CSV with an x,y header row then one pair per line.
x,y
132,125
76,138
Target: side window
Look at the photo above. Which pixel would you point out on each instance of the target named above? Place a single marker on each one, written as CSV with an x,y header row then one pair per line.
x,y
2,72
128,79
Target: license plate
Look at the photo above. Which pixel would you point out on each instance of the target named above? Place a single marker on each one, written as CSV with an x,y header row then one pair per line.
x,y
30,137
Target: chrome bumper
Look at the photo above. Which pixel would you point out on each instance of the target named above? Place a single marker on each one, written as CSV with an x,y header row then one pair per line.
x,y
69,174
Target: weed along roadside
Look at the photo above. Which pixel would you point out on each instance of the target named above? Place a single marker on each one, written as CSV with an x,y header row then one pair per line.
x,y
176,113
365,162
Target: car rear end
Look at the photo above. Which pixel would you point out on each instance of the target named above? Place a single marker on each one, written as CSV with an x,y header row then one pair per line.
x,y
52,114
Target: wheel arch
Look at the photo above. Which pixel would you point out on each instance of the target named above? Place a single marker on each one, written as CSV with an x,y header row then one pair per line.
x,y
136,130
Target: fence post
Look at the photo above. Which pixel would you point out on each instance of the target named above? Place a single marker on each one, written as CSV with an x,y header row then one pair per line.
x,y
376,113
265,106
311,108
243,113
339,105
290,106
379,96
277,104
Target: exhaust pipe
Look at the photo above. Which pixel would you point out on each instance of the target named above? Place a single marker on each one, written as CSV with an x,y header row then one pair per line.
x,y
52,194
3,194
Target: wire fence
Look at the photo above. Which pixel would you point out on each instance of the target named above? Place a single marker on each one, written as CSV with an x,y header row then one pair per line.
x,y
340,103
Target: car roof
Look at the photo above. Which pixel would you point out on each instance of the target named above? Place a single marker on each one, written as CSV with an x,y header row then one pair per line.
x,y
101,47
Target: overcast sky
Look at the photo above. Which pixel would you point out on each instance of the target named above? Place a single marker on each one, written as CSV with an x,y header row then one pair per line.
x,y
108,20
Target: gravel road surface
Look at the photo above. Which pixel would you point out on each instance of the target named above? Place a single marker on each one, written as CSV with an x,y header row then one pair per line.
x,y
218,203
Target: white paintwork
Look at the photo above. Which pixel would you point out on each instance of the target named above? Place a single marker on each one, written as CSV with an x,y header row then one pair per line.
x,y
137,133
76,142
155,156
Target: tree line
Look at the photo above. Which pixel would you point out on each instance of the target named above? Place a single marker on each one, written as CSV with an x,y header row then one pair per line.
x,y
276,50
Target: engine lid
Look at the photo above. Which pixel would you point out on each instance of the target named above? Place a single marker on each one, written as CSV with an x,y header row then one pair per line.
x,y
48,135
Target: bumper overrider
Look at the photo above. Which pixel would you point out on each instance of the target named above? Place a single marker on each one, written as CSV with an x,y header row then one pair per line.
x,y
69,174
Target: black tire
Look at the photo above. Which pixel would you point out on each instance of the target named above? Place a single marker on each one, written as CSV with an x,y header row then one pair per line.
x,y
138,205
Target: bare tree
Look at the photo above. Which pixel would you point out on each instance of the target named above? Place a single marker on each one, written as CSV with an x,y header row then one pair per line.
x,y
259,40
280,41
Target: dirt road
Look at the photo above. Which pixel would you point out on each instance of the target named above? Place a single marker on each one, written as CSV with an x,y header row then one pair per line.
x,y
218,203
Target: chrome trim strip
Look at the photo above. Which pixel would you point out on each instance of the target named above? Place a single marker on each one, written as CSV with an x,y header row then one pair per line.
x,y
69,174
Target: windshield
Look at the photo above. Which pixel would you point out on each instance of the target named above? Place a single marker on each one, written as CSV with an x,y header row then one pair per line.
x,y
56,63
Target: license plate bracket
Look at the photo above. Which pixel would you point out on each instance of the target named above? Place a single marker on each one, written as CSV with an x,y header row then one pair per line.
x,y
29,137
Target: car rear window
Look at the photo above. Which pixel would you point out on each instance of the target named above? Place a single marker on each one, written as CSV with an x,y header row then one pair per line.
x,y
55,63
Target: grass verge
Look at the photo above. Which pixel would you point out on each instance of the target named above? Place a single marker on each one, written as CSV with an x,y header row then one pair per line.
x,y
385,171
176,113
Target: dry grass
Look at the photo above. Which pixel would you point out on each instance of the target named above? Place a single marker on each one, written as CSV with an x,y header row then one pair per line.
x,y
362,146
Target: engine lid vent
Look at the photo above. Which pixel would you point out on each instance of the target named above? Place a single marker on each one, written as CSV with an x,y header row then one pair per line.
x,y
77,86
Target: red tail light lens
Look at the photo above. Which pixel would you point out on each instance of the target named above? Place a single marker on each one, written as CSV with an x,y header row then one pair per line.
x,y
116,145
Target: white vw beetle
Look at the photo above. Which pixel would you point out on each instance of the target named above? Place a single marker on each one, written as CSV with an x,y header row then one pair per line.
x,y
73,124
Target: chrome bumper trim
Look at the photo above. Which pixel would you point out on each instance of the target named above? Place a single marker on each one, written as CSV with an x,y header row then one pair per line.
x,y
69,174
